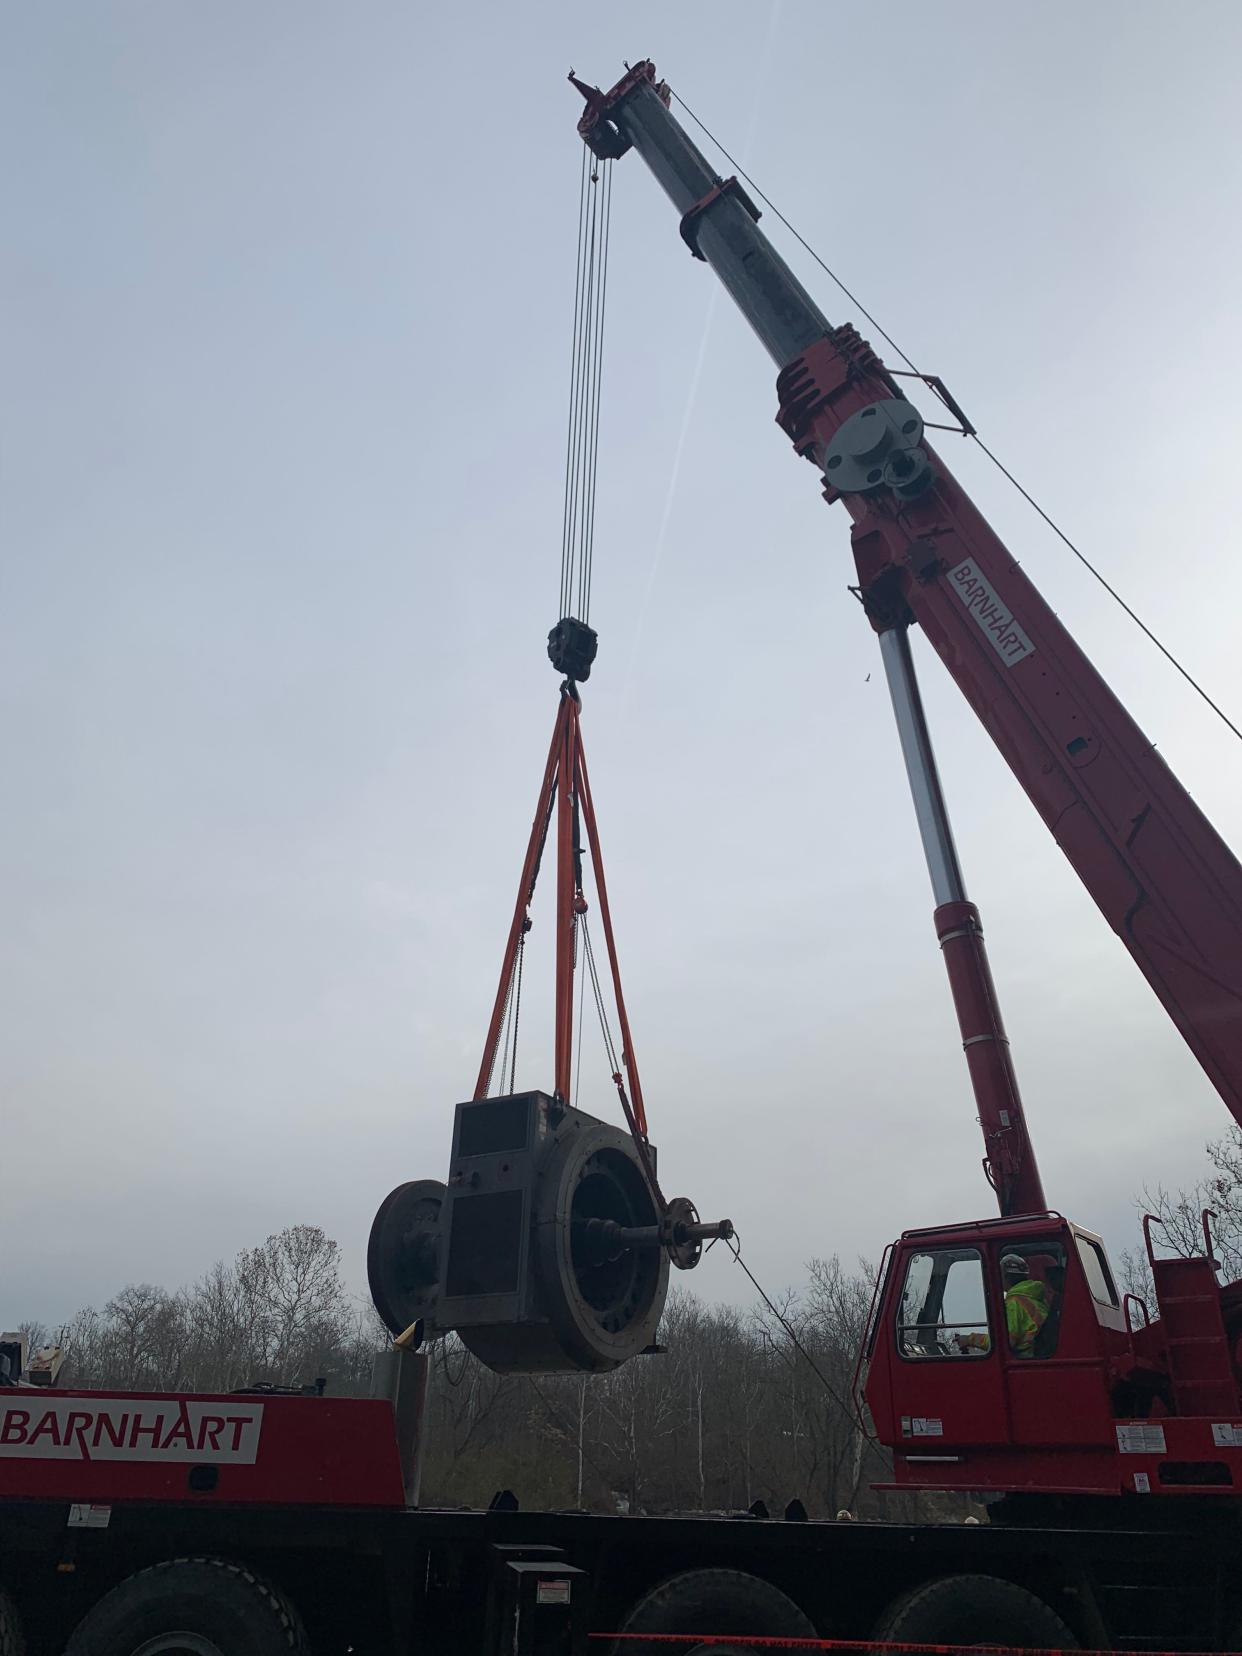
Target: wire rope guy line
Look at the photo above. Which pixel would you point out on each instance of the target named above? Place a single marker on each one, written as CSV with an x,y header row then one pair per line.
x,y
937,386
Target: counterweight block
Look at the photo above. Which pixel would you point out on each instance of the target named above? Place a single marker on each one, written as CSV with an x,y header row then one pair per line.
x,y
544,1255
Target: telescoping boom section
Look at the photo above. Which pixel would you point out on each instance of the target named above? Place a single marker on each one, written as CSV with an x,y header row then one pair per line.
x,y
1001,1354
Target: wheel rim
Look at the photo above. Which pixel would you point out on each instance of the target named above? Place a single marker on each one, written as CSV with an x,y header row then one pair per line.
x,y
178,1644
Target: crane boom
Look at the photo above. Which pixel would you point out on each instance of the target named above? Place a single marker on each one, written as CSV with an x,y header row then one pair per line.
x,y
1157,869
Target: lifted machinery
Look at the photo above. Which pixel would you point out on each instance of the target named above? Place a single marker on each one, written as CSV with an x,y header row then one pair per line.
x,y
550,1247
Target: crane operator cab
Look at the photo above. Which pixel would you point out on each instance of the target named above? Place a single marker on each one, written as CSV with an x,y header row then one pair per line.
x,y
1002,1358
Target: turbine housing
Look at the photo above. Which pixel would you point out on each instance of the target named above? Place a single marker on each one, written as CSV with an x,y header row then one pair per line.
x,y
530,1251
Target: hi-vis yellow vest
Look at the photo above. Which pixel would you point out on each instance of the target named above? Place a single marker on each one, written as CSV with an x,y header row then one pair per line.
x,y
1026,1312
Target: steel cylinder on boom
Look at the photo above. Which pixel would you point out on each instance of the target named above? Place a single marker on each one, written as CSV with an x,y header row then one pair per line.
x,y
1010,1163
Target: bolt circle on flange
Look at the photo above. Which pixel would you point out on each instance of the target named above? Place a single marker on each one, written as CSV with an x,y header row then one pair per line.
x,y
683,1251
878,447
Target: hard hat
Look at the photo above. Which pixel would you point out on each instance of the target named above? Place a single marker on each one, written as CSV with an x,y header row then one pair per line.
x,y
1013,1264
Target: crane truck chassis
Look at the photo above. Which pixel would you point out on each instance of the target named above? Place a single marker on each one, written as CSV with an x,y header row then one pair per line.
x,y
257,1524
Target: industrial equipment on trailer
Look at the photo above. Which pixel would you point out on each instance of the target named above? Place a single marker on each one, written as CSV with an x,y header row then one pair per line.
x,y
270,1521
1107,1399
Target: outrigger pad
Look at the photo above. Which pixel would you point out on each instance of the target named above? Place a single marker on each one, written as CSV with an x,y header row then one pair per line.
x,y
519,1270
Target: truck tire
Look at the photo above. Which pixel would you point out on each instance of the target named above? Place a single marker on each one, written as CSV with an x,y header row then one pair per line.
x,y
191,1607
11,1640
973,1609
714,1602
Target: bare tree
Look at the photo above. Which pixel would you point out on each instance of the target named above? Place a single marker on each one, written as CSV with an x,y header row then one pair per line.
x,y
1179,1217
294,1280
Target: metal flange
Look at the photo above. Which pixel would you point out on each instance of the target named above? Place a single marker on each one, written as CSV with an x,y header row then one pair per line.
x,y
403,1258
878,448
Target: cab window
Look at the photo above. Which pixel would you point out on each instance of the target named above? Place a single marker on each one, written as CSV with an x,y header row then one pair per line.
x,y
943,1307
1095,1268
1033,1279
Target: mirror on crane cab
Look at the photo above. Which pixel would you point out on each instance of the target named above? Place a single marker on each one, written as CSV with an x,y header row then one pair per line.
x,y
994,1339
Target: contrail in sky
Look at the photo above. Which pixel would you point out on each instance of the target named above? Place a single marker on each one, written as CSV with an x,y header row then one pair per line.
x,y
657,555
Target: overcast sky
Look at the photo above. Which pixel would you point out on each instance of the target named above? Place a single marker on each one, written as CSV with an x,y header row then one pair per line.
x,y
286,312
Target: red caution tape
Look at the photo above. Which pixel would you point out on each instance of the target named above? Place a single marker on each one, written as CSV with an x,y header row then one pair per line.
x,y
763,1641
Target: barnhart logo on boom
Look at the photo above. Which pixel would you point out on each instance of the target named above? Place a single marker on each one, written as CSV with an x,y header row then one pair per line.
x,y
996,621
129,1429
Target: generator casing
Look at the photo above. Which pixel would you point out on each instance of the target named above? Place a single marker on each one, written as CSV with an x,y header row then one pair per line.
x,y
526,1171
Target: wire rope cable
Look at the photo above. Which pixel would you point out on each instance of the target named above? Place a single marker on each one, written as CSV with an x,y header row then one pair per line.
x,y
585,387
734,1245
854,300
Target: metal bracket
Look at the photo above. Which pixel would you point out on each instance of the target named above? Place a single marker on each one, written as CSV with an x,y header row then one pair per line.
x,y
690,219
934,383
597,128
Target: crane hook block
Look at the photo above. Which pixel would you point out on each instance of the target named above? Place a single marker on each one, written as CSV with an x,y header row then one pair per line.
x,y
535,1250
571,648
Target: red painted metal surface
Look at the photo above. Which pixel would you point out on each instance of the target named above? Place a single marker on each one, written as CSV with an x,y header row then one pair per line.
x,y
1170,888
1005,1422
1161,875
1198,1349
1010,1162
635,1110
1159,872
568,894
772,1641
100,1447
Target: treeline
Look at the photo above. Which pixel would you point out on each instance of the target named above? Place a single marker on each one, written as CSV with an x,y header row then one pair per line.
x,y
741,1406
278,1313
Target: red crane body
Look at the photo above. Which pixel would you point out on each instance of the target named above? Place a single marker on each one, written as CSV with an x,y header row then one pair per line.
x,y
1161,875
1052,1384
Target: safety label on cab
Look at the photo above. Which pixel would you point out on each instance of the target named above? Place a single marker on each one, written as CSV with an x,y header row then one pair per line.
x,y
923,1426
86,1516
1227,1436
1141,1438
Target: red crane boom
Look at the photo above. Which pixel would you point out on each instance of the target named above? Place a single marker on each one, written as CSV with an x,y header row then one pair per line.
x,y
1164,879
1000,1355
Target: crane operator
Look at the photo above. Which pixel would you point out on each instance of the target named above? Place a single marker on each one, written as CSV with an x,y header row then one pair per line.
x,y
1027,1304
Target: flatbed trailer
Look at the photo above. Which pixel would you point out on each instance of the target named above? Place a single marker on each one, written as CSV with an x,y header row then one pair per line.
x,y
387,1578
393,1583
